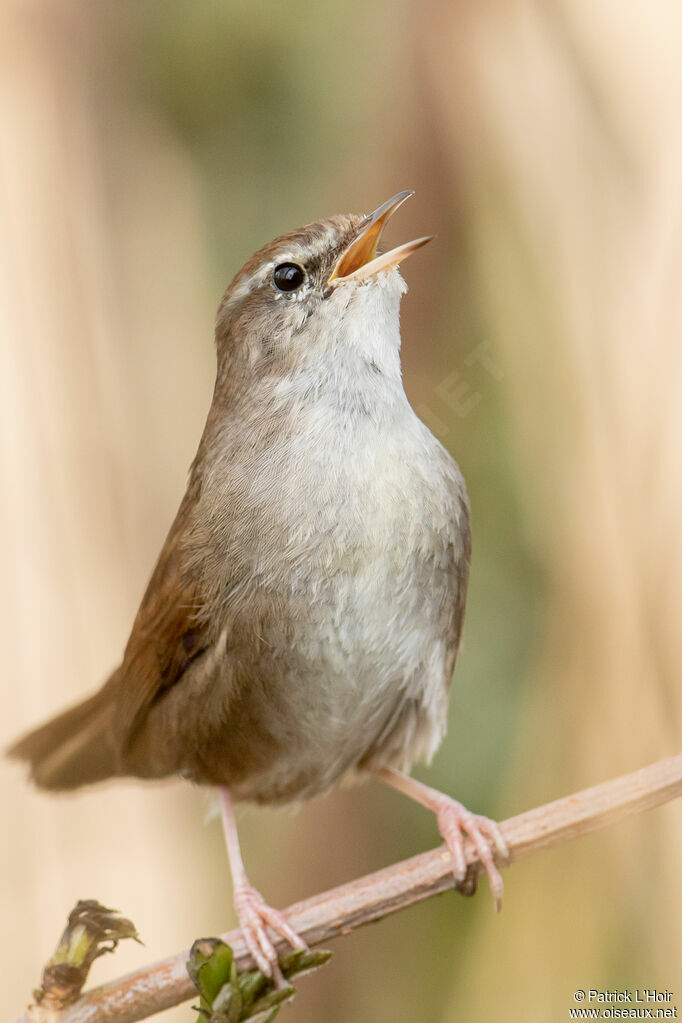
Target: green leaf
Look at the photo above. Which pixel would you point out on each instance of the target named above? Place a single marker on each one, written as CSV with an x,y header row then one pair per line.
x,y
251,985
303,960
272,999
210,967
228,996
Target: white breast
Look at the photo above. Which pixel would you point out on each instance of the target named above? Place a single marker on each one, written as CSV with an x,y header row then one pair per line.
x,y
351,520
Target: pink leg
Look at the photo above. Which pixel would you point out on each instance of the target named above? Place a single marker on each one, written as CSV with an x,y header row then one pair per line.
x,y
252,910
454,821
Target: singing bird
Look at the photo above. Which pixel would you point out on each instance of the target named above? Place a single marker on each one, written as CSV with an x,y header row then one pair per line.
x,y
302,622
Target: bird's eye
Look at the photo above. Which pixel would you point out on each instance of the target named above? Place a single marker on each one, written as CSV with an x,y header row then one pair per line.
x,y
288,276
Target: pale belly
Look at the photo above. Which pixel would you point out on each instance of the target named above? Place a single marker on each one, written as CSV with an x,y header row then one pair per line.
x,y
342,614
364,684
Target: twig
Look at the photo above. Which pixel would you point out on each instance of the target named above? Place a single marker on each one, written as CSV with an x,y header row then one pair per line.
x,y
369,898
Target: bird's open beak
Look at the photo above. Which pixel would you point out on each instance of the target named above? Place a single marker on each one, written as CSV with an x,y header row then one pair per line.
x,y
360,260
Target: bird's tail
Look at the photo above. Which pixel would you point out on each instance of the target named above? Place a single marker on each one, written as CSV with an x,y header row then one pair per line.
x,y
73,749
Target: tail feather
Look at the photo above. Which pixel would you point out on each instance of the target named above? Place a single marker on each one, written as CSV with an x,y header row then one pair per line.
x,y
73,749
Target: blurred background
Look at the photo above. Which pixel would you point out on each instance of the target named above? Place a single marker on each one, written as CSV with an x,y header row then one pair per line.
x,y
146,150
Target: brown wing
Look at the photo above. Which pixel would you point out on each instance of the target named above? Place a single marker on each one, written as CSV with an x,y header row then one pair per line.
x,y
167,634
88,743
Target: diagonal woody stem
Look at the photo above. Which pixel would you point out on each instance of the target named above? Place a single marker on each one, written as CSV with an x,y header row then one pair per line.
x,y
369,898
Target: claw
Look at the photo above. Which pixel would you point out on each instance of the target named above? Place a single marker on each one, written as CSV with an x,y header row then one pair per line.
x,y
254,913
454,821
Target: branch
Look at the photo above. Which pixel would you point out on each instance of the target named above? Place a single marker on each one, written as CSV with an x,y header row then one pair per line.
x,y
333,913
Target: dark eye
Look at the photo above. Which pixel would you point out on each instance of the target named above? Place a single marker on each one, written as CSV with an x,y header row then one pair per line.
x,y
288,276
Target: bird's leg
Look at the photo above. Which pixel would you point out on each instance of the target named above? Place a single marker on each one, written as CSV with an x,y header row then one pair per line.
x,y
454,821
252,910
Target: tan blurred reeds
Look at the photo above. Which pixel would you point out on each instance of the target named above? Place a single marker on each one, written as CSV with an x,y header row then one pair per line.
x,y
91,453
566,133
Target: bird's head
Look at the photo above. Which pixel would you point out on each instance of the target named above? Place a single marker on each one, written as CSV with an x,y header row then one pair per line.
x,y
308,292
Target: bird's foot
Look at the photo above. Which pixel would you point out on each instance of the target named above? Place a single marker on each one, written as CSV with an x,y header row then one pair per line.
x,y
254,914
454,822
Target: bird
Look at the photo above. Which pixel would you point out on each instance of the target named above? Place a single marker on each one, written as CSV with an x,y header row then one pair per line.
x,y
302,622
